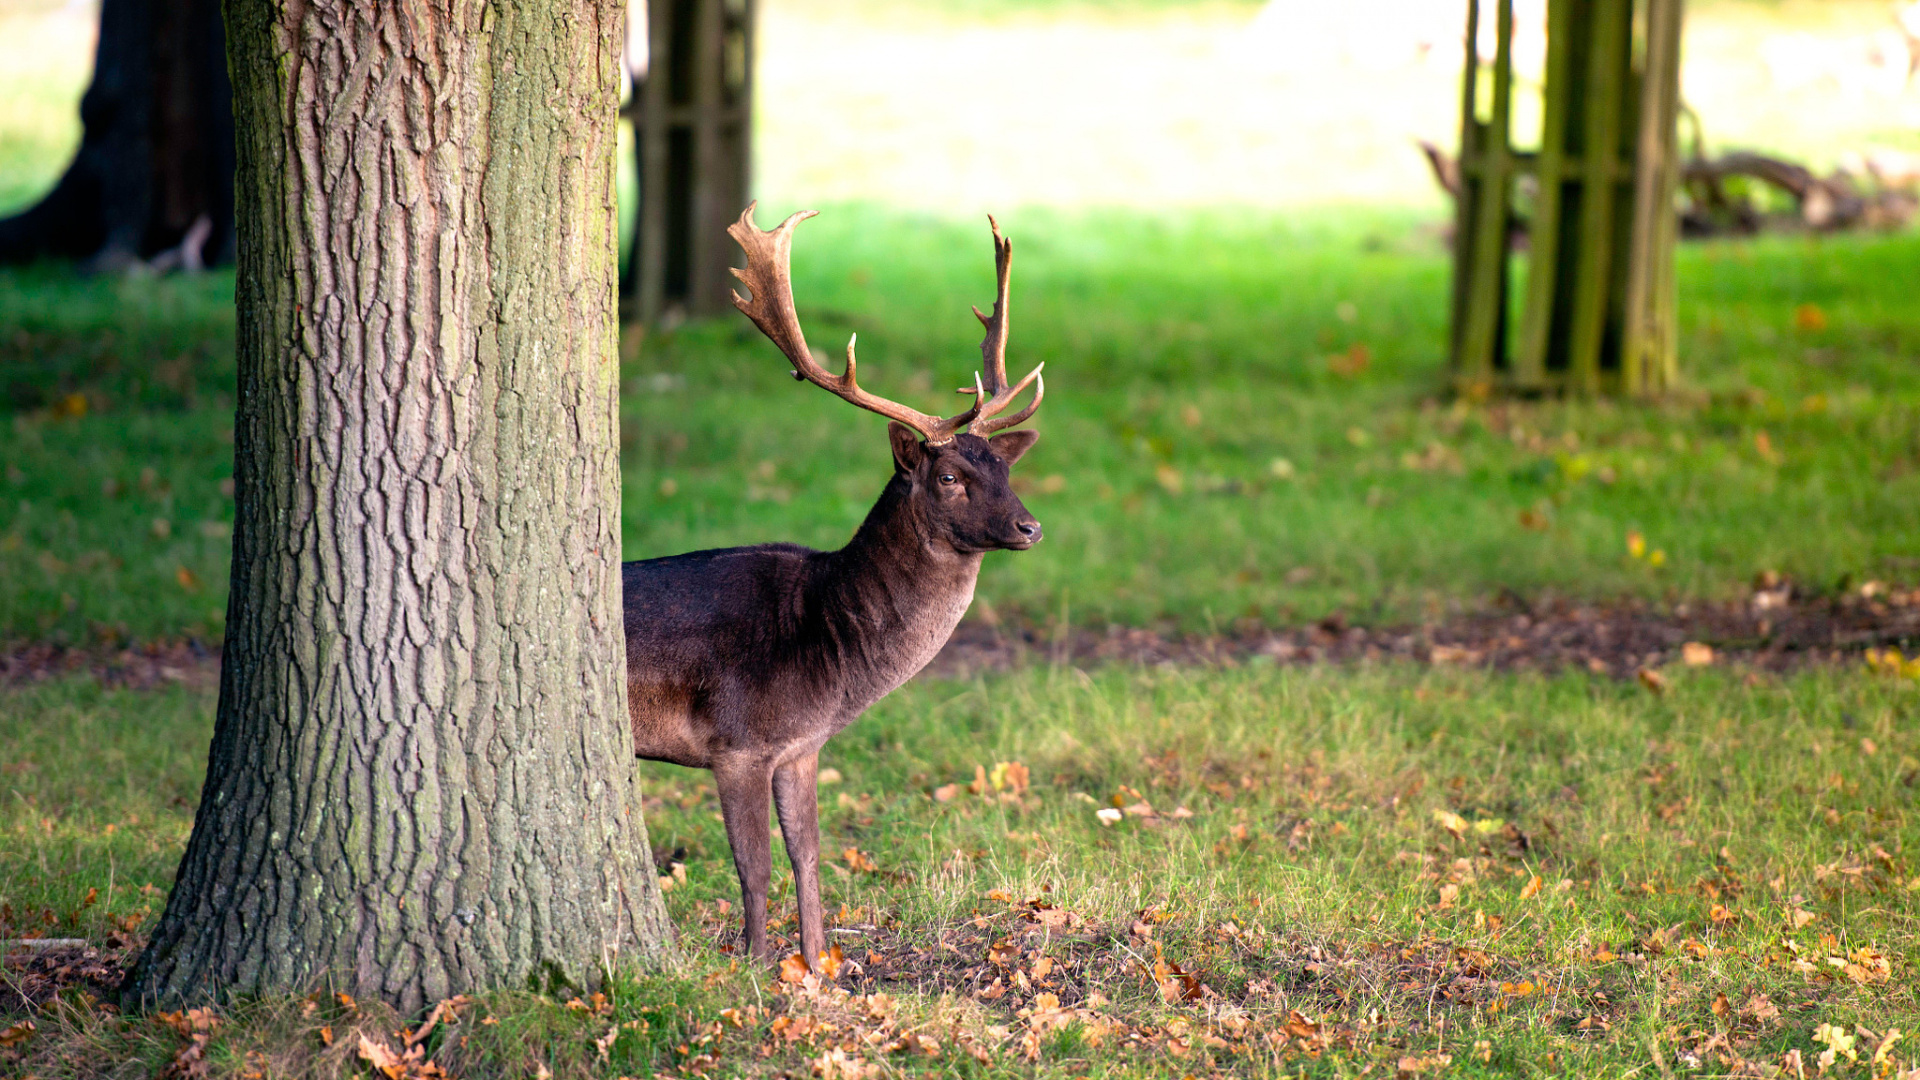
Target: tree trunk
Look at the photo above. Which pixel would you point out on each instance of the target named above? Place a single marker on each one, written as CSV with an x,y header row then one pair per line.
x,y
155,167
421,781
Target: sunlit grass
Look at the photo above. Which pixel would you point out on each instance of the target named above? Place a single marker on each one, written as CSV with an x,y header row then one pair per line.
x,y
1212,455
1318,840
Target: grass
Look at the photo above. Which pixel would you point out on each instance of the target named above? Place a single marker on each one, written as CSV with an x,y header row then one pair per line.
x,y
1368,870
1212,457
1422,862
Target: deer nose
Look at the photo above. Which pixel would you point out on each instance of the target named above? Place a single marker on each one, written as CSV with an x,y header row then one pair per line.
x,y
1029,530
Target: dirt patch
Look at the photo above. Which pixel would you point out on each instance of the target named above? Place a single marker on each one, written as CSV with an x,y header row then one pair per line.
x,y
143,667
38,970
1777,627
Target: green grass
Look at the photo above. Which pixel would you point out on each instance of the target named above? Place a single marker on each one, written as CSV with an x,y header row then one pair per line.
x,y
1687,846
1203,463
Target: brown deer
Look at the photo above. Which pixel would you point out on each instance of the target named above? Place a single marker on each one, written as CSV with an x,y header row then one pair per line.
x,y
747,660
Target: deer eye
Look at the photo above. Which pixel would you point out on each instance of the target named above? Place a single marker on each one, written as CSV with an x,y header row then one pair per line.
x,y
949,478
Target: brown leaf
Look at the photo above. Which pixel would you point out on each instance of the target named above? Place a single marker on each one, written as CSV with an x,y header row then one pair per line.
x,y
191,1062
1653,680
1531,889
1696,654
793,969
946,793
17,1034
1761,1008
858,860
830,963
381,1057
1721,1006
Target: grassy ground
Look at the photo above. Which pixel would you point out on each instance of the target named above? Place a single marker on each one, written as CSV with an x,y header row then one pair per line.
x,y
1215,449
1525,875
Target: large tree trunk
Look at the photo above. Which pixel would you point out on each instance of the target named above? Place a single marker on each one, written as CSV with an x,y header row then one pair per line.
x,y
421,780
155,167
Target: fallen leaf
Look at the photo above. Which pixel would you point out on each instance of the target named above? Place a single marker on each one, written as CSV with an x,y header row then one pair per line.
x,y
1109,815
1760,1008
1809,317
381,1056
17,1034
793,969
1451,822
946,793
1696,654
858,860
1531,889
1653,680
1010,776
828,776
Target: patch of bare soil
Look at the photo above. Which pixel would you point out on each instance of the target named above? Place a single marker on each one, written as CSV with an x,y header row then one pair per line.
x,y
1778,626
142,667
38,970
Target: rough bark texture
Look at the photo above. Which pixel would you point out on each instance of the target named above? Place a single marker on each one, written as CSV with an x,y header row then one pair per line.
x,y
421,781
156,152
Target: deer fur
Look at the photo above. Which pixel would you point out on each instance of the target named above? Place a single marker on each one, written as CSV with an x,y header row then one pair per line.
x,y
747,660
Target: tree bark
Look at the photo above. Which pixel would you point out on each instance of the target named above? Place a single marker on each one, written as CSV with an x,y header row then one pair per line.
x,y
155,167
421,780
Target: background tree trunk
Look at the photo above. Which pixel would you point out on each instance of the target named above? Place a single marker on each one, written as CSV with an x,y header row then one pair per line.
x,y
422,779
156,152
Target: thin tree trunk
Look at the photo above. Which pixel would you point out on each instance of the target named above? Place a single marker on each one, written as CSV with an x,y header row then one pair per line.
x,y
421,779
154,170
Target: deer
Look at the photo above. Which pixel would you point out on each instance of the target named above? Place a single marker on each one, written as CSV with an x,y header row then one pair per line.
x,y
745,661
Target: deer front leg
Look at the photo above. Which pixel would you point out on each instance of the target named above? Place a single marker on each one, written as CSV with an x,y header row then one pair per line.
x,y
743,789
796,796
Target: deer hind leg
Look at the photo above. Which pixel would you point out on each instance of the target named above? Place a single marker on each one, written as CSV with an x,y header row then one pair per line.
x,y
796,796
744,789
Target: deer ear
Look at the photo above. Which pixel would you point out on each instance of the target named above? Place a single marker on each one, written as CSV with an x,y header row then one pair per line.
x,y
907,451
1012,445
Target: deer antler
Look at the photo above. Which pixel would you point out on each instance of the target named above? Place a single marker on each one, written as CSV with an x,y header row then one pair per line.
x,y
992,394
768,277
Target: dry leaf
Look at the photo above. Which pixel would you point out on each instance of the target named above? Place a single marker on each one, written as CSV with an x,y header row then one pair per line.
x,y
1809,317
1696,654
381,1056
1653,680
858,860
946,793
1531,889
17,1034
1010,776
793,969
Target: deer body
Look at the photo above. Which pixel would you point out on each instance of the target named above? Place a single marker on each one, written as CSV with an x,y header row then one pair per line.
x,y
747,660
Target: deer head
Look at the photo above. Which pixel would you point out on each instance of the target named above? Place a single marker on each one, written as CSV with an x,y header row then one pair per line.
x,y
957,467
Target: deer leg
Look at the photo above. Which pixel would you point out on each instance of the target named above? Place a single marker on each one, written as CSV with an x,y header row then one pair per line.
x,y
743,805
796,796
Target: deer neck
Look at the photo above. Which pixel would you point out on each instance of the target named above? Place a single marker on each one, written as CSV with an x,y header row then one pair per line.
x,y
897,590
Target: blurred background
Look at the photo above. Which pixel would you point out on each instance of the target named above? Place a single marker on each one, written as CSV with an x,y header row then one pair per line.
x,y
1233,256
